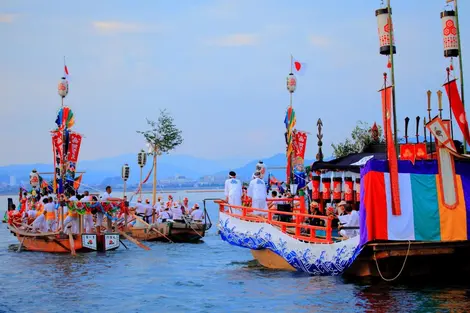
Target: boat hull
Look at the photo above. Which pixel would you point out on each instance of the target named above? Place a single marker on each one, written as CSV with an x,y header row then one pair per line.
x,y
169,231
60,243
315,259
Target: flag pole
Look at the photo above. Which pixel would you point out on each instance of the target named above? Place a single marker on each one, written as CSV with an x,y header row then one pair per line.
x,y
392,73
460,65
291,71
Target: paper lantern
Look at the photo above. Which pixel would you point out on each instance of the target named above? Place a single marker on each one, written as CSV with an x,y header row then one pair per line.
x,y
316,188
449,32
358,190
125,172
291,83
34,179
63,87
326,190
384,25
348,189
142,158
337,189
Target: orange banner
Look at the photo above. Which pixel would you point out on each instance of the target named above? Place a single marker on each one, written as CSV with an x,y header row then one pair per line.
x,y
391,152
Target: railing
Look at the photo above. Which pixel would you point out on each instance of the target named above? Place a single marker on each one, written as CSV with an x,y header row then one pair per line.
x,y
301,230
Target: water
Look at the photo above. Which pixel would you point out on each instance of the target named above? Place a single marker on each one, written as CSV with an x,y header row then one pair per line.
x,y
212,276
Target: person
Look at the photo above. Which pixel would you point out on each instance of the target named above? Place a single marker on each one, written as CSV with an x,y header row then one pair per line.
x,y
272,205
246,201
176,212
49,209
185,206
257,192
148,211
233,189
88,219
341,208
140,209
104,197
197,214
351,219
318,211
165,215
40,224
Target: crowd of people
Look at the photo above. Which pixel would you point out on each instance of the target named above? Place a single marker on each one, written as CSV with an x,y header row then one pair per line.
x,y
344,217
41,211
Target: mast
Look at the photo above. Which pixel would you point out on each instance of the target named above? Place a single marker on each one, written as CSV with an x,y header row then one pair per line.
x,y
460,65
392,74
291,86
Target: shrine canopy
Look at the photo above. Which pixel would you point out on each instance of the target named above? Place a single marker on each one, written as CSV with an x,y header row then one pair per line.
x,y
352,162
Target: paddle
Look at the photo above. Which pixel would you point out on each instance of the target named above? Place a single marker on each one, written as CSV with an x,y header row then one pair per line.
x,y
152,227
21,244
72,244
135,241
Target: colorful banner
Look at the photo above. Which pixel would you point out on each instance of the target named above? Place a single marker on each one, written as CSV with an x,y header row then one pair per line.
x,y
391,152
408,152
300,143
457,108
74,147
58,143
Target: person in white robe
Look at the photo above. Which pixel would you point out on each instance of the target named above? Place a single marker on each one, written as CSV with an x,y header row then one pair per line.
x,y
104,197
176,212
351,219
257,192
233,190
40,223
197,214
88,218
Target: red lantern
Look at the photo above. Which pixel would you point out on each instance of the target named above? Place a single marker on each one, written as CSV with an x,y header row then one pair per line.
x,y
358,190
337,189
326,189
348,189
316,188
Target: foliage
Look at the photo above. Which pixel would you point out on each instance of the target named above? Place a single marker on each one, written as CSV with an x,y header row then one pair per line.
x,y
361,137
163,134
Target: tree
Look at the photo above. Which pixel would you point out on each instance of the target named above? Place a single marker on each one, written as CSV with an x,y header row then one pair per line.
x,y
361,137
162,137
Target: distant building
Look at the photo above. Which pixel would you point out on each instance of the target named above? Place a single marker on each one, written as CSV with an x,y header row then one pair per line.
x,y
12,181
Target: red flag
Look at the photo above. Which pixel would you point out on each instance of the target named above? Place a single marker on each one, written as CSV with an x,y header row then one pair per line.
x,y
408,152
74,147
391,152
457,108
66,70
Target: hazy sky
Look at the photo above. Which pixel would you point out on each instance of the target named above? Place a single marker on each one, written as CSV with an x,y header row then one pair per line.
x,y
219,67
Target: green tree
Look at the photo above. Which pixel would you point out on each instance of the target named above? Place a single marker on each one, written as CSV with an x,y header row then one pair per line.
x,y
162,137
361,136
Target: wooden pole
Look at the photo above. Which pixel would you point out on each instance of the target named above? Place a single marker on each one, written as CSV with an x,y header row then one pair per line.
x,y
133,240
154,191
72,244
392,73
140,193
460,66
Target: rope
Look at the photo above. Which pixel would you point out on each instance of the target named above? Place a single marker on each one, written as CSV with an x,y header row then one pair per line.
x,y
402,267
189,223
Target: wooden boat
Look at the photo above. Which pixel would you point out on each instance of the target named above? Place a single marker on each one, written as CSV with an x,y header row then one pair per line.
x,y
170,231
57,242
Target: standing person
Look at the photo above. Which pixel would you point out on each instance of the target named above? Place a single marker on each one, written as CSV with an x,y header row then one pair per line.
x,y
49,208
185,206
233,190
88,219
99,214
148,211
257,192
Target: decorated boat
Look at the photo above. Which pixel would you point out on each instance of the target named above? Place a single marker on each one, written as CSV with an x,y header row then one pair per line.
x,y
184,230
411,200
60,237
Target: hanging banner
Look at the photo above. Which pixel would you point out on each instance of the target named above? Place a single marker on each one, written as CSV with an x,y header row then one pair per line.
x,y
391,152
408,152
75,141
457,108
58,142
300,143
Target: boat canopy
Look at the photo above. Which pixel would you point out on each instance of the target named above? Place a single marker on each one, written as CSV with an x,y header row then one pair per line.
x,y
352,162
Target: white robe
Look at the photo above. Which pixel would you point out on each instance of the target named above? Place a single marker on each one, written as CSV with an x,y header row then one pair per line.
x,y
257,192
233,190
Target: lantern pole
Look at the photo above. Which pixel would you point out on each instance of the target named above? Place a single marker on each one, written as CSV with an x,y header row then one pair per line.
x,y
291,71
392,73
460,65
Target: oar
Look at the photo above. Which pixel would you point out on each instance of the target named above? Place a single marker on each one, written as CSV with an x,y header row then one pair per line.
x,y
152,227
134,240
72,244
21,244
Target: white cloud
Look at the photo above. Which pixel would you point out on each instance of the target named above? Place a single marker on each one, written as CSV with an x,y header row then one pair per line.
x,y
108,27
7,18
236,40
319,41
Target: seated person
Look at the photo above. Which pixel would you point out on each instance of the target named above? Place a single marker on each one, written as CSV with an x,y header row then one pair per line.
x,y
176,212
351,219
165,215
315,209
197,214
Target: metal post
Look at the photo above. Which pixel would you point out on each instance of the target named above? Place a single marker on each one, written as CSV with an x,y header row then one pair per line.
x,y
460,66
392,72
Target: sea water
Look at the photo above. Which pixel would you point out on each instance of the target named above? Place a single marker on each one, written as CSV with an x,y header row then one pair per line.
x,y
212,276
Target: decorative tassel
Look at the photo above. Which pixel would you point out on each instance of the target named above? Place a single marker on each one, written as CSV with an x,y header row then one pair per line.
x,y
451,64
389,64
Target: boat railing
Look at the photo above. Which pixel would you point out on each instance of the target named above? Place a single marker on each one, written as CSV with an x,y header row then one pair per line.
x,y
294,224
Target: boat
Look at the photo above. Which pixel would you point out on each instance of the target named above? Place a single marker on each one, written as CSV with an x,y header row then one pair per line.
x,y
66,147
412,198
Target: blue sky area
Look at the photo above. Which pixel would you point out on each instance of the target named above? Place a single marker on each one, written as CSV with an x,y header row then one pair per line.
x,y
219,67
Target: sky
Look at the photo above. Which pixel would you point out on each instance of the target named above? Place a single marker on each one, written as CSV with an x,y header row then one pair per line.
x,y
218,66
